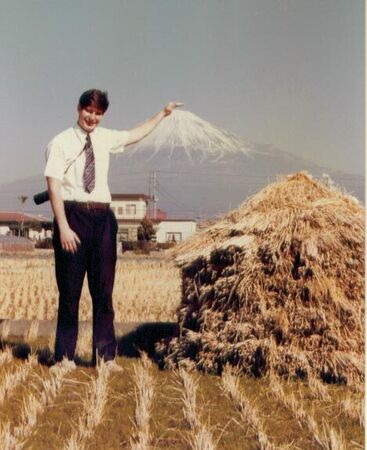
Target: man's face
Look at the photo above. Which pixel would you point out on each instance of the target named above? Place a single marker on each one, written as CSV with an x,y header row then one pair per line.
x,y
89,117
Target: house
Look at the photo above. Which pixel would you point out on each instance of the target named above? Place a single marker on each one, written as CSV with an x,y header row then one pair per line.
x,y
26,225
130,210
175,230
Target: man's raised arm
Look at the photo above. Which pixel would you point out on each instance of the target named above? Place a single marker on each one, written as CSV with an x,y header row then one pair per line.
x,y
140,131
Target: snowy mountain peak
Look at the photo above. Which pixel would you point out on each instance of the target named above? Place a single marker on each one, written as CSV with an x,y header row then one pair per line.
x,y
185,131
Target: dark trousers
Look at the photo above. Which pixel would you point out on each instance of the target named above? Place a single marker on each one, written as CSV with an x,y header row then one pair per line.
x,y
96,256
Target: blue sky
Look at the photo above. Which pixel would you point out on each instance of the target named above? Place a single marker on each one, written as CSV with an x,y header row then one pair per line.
x,y
284,72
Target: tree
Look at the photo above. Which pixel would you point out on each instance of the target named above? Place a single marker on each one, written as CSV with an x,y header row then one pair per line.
x,y
146,230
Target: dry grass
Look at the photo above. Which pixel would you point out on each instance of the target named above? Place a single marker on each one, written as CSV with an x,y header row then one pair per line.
x,y
318,389
5,329
326,437
94,404
6,356
84,343
29,290
200,436
248,410
11,379
33,406
144,387
32,333
353,408
84,409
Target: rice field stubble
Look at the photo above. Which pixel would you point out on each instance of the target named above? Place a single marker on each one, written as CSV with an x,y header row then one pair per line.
x,y
145,289
149,290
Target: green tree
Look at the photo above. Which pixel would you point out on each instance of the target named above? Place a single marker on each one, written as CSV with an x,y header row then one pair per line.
x,y
146,230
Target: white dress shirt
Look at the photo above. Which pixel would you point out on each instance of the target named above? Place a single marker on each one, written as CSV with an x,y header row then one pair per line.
x,y
66,146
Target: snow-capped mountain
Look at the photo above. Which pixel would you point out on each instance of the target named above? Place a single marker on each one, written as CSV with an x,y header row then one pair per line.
x,y
201,170
183,131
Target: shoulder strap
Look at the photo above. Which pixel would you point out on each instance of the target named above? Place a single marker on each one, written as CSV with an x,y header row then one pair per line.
x,y
73,161
77,156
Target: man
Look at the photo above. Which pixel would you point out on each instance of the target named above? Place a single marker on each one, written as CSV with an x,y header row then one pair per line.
x,y
84,226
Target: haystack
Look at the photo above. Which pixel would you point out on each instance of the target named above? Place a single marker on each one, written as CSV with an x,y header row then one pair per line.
x,y
278,283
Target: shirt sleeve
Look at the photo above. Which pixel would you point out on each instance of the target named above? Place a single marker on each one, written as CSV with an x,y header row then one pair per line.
x,y
55,161
118,140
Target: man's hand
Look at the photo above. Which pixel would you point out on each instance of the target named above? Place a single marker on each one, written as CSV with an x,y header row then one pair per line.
x,y
69,240
171,106
140,131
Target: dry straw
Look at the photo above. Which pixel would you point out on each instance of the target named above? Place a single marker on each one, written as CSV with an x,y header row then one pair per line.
x,y
11,380
5,329
288,266
144,290
144,387
249,412
327,437
34,404
94,405
6,356
353,408
199,436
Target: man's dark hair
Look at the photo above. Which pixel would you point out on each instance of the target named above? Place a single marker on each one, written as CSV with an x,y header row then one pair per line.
x,y
94,97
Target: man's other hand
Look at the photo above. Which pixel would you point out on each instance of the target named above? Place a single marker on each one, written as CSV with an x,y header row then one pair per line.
x,y
69,240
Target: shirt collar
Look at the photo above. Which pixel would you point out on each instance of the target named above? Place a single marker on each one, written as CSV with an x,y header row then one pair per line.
x,y
82,134
79,131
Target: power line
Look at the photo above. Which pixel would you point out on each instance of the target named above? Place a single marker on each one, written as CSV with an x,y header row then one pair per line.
x,y
174,202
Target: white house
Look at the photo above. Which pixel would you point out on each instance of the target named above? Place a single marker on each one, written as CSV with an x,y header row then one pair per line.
x,y
175,230
130,210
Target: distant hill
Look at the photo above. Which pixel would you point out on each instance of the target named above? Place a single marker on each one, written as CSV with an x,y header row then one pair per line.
x,y
202,170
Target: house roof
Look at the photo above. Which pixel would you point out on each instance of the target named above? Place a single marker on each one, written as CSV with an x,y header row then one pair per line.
x,y
155,221
130,197
129,221
16,217
177,220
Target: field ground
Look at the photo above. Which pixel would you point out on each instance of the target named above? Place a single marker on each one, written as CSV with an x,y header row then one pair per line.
x,y
169,426
146,289
142,407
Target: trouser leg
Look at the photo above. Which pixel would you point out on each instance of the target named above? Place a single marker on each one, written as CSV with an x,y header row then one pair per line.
x,y
70,272
101,264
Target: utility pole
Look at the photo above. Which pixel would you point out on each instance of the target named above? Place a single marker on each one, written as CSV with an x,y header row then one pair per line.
x,y
22,199
153,184
150,196
154,195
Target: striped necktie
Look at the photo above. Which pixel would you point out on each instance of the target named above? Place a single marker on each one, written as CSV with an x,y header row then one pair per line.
x,y
89,169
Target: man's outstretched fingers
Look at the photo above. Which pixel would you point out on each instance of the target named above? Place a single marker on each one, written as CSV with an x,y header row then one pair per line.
x,y
171,106
77,240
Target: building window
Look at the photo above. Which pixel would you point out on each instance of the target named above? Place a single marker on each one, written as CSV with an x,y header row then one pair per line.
x,y
120,211
130,210
173,237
